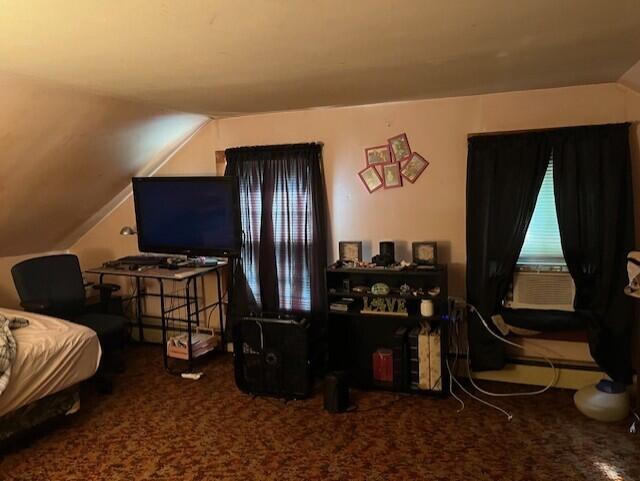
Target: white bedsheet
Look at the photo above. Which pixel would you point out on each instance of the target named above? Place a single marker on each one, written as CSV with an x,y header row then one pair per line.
x,y
52,355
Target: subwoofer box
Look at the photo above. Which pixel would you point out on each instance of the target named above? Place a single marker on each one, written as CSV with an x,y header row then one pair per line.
x,y
336,392
271,356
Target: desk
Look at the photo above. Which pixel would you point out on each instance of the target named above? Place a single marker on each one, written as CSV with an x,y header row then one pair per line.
x,y
186,275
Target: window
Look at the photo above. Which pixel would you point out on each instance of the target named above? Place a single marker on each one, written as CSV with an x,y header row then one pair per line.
x,y
292,232
284,227
542,242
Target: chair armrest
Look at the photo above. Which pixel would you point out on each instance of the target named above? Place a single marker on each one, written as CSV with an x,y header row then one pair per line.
x,y
35,306
106,287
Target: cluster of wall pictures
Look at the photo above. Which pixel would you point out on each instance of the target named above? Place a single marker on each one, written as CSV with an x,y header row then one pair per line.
x,y
389,164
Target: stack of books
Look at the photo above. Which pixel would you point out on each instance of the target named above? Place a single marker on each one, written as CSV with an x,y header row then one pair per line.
x,y
342,305
201,343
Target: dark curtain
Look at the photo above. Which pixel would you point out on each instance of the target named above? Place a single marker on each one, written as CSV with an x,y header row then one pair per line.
x,y
284,254
504,175
594,201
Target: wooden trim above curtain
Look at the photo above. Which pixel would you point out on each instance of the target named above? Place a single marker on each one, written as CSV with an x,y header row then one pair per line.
x,y
543,129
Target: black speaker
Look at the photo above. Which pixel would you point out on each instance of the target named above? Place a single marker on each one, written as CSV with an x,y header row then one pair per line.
x,y
271,356
388,249
387,254
336,392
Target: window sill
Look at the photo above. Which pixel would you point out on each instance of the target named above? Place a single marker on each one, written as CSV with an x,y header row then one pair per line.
x,y
541,267
547,321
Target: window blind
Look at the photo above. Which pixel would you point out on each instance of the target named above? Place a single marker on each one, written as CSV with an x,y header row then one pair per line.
x,y
292,232
542,242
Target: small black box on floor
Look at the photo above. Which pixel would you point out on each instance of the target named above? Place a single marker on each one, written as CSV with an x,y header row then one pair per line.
x,y
271,356
336,392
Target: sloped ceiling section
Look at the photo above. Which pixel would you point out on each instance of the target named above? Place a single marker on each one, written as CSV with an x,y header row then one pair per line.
x,y
631,78
65,154
225,57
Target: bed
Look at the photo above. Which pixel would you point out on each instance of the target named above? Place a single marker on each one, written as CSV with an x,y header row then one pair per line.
x,y
53,357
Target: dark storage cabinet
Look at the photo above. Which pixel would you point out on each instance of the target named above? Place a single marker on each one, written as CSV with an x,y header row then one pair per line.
x,y
355,336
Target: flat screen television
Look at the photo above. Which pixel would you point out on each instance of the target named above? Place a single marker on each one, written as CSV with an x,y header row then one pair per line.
x,y
193,216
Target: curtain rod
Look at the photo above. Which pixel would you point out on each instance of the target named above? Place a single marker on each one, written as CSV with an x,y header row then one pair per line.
x,y
545,129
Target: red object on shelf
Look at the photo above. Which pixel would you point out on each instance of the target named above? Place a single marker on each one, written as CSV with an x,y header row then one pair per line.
x,y
383,365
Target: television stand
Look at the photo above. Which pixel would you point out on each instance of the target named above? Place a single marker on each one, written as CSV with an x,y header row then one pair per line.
x,y
179,312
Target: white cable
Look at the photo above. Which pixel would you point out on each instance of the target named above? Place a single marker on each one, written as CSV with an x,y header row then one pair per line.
x,y
455,396
259,324
486,403
455,363
633,429
452,379
511,343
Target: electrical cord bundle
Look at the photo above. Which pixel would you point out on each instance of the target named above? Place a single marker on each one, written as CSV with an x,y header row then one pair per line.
x,y
453,379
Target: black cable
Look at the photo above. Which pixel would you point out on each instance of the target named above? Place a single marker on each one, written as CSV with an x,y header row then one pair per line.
x,y
219,304
134,292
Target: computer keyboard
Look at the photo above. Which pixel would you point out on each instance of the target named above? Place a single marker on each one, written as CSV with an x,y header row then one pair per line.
x,y
143,260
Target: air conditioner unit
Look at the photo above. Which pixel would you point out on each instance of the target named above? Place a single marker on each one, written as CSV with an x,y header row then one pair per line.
x,y
542,290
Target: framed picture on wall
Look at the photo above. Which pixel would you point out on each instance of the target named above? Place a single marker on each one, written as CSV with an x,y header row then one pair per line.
x,y
350,250
412,168
371,178
400,147
378,155
391,175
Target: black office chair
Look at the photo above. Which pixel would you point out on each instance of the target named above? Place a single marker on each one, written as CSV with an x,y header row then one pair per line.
x,y
53,285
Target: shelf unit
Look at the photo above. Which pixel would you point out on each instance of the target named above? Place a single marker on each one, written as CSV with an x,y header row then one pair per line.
x,y
354,336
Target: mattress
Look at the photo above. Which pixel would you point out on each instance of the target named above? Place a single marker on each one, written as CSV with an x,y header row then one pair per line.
x,y
52,355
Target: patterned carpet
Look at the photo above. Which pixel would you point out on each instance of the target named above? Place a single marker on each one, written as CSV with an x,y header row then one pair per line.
x,y
159,427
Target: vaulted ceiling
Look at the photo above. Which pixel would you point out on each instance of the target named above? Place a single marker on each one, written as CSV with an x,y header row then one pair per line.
x,y
92,91
226,57
65,154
